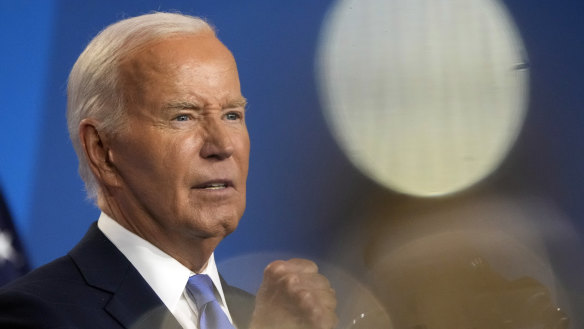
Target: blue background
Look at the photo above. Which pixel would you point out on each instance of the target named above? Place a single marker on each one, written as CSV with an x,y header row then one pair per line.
x,y
300,186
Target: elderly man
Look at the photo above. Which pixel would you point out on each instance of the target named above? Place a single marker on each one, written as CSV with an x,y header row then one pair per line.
x,y
157,119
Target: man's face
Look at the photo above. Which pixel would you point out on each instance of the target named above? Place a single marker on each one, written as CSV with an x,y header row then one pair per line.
x,y
182,157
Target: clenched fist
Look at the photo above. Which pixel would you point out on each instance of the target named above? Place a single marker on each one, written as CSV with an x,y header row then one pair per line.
x,y
293,295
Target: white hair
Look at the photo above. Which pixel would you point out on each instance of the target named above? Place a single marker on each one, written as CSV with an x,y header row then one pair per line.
x,y
94,89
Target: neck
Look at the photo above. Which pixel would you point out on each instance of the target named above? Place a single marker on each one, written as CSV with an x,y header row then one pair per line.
x,y
188,249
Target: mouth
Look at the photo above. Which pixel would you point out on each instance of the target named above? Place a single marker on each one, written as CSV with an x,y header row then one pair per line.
x,y
214,185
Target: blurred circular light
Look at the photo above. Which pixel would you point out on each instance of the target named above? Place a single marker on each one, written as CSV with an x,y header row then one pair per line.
x,y
426,97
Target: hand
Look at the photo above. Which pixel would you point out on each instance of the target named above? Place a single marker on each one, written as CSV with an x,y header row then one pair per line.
x,y
293,295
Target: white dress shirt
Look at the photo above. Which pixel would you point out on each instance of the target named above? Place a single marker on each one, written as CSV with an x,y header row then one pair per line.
x,y
167,277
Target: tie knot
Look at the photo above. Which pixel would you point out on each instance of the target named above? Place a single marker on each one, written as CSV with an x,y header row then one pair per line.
x,y
201,289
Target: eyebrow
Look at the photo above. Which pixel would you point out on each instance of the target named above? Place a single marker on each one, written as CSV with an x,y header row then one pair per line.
x,y
188,105
239,102
182,105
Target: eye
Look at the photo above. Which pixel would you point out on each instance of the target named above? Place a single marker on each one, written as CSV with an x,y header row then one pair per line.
x,y
233,116
182,117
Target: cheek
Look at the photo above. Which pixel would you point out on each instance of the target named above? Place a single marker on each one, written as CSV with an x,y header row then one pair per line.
x,y
244,147
143,156
178,155
133,157
243,143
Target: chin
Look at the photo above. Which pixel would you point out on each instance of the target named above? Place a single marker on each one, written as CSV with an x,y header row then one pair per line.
x,y
216,226
230,224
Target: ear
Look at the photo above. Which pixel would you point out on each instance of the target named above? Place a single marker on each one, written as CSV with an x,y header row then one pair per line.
x,y
97,152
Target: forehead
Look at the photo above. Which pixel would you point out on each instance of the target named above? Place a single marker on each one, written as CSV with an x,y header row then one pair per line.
x,y
180,61
203,46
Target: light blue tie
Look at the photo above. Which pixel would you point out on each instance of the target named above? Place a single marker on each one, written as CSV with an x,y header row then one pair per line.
x,y
211,316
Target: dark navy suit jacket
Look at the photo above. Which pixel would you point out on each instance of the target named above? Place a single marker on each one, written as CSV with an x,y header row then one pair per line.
x,y
95,286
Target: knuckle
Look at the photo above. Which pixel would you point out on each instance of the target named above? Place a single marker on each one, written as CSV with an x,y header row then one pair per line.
x,y
275,269
312,266
308,265
315,316
291,281
305,299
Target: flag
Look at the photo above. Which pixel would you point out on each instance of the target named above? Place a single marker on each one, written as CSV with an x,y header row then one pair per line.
x,y
13,261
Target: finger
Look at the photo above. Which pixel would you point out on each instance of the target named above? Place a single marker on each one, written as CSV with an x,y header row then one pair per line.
x,y
302,281
317,310
303,265
295,265
323,319
310,299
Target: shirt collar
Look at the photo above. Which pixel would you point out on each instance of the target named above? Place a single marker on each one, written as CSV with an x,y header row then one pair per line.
x,y
165,275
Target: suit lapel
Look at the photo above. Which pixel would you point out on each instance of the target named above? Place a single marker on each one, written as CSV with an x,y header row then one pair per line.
x,y
133,304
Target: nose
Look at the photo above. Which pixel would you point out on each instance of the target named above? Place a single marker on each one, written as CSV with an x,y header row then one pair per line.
x,y
217,141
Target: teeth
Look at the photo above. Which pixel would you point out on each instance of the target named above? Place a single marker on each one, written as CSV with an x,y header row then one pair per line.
x,y
215,186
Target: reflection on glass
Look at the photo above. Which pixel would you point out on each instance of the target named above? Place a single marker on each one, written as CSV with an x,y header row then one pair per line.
x,y
464,262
